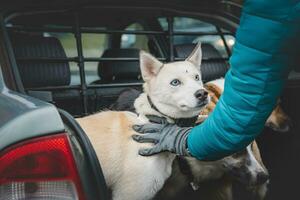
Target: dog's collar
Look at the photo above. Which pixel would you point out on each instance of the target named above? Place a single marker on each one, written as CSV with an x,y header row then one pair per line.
x,y
156,109
182,122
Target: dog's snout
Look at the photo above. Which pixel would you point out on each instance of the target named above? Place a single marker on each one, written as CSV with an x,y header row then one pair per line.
x,y
262,177
201,94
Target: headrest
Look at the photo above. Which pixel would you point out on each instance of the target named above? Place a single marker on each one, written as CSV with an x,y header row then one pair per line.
x,y
120,71
41,73
210,69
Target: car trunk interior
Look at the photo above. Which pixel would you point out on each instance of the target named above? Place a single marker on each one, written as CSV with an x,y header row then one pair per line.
x,y
56,69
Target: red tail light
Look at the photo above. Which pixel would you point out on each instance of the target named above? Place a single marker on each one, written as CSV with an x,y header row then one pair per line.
x,y
41,168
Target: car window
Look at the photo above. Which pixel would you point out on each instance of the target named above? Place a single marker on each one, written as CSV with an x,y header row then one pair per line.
x,y
185,24
93,46
217,42
134,41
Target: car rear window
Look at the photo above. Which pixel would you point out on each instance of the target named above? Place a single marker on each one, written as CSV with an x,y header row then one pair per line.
x,y
135,41
93,45
209,33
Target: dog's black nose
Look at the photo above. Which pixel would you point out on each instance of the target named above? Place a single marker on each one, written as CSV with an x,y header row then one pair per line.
x,y
262,177
201,94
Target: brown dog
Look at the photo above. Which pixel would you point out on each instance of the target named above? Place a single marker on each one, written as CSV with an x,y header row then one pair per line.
x,y
277,121
215,179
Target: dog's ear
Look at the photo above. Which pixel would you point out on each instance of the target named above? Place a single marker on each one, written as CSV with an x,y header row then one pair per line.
x,y
196,56
150,66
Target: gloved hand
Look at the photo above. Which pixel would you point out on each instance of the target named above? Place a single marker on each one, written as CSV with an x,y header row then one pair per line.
x,y
165,136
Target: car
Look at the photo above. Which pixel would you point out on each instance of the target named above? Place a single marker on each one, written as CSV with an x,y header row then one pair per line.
x,y
65,59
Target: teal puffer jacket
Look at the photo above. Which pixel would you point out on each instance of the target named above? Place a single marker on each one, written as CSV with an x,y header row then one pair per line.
x,y
262,56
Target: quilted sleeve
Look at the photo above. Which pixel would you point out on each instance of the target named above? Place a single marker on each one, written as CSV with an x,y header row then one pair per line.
x,y
260,63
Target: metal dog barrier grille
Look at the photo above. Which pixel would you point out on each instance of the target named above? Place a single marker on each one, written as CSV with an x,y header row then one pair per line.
x,y
77,30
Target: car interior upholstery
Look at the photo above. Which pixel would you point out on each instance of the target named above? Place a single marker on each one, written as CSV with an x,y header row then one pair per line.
x,y
119,71
36,74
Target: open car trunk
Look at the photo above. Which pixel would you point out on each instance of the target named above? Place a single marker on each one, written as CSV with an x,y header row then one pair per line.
x,y
44,22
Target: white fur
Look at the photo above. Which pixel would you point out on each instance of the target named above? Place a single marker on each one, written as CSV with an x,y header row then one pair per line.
x,y
174,100
129,175
196,56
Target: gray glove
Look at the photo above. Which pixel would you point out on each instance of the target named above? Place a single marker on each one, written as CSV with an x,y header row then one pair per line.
x,y
165,136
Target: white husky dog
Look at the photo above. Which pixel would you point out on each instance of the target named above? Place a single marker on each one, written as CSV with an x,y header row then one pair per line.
x,y
129,175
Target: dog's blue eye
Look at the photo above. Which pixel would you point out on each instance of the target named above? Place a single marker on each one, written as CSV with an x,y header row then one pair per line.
x,y
197,78
175,82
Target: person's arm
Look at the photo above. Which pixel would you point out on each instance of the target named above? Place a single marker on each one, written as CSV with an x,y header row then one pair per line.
x,y
260,62
259,65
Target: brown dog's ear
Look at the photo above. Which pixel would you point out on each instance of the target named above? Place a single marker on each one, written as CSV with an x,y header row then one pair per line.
x,y
196,56
149,65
